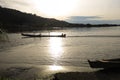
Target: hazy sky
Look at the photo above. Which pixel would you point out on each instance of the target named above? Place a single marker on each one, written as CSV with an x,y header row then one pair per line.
x,y
76,11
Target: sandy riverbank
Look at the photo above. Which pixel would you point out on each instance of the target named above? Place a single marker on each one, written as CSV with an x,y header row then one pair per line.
x,y
28,72
97,75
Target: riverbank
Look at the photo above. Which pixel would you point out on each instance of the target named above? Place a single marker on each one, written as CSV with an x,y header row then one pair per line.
x,y
36,72
96,75
29,72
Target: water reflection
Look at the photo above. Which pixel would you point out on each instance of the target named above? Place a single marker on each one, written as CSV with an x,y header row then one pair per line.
x,y
55,33
55,68
56,49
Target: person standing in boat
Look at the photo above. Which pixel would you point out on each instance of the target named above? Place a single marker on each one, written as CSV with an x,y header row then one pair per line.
x,y
62,34
40,34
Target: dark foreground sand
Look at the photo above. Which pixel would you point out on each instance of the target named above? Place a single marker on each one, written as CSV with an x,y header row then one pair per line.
x,y
97,75
33,73
18,73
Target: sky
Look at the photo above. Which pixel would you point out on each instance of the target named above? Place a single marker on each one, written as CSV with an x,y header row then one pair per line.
x,y
74,11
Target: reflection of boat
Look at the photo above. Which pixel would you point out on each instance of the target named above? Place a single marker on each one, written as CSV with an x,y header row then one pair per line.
x,y
41,35
110,63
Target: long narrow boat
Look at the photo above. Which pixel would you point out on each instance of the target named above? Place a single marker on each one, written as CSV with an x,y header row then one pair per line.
x,y
110,63
41,35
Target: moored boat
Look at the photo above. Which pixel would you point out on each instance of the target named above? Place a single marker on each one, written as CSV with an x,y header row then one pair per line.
x,y
42,35
110,63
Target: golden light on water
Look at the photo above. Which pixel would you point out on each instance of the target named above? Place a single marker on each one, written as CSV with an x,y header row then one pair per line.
x,y
55,68
56,47
55,33
56,51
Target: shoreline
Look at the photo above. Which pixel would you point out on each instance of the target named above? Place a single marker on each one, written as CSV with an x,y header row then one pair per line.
x,y
43,72
35,72
96,75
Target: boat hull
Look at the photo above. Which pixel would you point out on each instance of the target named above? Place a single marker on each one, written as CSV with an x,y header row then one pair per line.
x,y
32,35
104,64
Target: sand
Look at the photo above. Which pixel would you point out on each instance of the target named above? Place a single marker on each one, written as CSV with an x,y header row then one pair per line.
x,y
27,72
98,75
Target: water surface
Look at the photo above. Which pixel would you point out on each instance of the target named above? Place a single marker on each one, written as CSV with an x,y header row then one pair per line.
x,y
80,45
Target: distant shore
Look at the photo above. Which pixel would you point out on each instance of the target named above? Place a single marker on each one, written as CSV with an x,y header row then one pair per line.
x,y
33,22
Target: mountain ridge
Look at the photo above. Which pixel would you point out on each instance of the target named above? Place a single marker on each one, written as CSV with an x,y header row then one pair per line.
x,y
12,20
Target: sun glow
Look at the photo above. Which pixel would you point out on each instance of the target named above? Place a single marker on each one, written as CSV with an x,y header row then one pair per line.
x,y
56,47
55,33
55,8
55,68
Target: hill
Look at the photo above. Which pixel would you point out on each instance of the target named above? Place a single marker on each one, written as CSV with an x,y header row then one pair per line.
x,y
15,21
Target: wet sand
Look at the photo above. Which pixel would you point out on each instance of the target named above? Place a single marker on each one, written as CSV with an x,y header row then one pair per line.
x,y
97,75
17,73
29,72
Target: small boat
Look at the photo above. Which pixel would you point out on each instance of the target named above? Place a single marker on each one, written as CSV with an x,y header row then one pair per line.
x,y
41,35
108,63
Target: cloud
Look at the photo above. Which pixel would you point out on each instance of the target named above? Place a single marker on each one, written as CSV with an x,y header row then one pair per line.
x,y
91,19
21,5
8,3
84,17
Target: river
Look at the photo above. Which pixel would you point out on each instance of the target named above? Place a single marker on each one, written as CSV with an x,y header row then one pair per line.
x,y
75,49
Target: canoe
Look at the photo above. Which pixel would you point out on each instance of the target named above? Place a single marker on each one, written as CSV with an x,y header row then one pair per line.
x,y
110,63
40,35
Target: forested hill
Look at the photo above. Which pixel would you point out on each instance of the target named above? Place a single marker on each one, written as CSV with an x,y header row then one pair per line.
x,y
13,21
